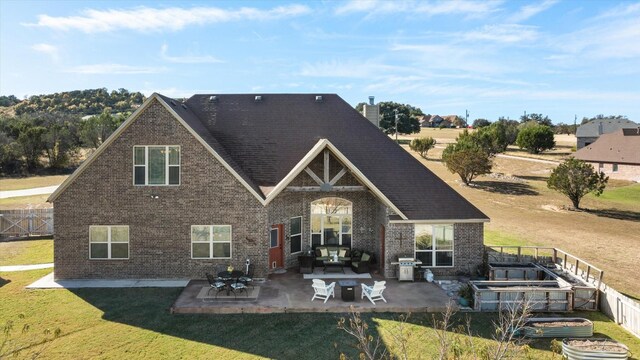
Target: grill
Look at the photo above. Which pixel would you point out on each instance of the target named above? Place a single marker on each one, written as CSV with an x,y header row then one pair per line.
x,y
405,268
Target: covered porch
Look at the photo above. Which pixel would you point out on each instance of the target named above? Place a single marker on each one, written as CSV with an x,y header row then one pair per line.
x,y
290,292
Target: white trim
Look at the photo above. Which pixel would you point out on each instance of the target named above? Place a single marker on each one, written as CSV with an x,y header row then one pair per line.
x,y
109,242
211,242
167,165
442,221
311,155
322,217
435,250
125,125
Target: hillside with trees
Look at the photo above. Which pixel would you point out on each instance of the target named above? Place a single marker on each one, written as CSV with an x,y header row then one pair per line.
x,y
77,102
45,133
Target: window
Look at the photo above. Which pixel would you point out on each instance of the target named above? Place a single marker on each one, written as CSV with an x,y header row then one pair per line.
x,y
109,242
600,166
331,222
156,165
434,245
615,168
211,241
295,234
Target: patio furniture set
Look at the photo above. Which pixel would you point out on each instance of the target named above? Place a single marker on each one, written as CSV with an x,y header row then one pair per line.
x,y
323,291
334,259
234,281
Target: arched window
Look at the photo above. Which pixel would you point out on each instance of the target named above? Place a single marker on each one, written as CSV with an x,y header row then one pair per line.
x,y
331,222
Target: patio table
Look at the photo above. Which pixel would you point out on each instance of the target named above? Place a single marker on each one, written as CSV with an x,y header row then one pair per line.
x,y
228,277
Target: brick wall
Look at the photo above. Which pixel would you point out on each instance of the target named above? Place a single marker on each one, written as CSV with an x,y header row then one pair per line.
x,y
467,249
625,171
160,243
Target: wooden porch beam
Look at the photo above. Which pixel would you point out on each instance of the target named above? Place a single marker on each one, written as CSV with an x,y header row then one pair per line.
x,y
313,176
338,176
317,188
326,165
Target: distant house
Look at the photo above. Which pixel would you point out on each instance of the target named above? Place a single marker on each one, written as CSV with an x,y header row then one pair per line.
x,y
437,121
616,154
588,133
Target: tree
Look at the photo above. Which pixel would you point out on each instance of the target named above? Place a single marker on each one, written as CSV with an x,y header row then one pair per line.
x,y
539,118
535,138
576,178
467,159
478,123
422,145
96,129
407,118
511,129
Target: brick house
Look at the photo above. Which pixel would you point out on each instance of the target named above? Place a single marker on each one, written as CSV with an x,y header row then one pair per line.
x,y
616,154
219,179
588,133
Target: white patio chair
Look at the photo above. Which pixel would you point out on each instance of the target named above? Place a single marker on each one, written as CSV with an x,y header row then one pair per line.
x,y
374,293
322,290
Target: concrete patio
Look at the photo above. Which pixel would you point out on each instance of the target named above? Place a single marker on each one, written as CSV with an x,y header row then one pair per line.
x,y
289,292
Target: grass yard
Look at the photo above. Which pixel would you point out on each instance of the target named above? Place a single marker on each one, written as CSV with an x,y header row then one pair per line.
x,y
135,323
25,202
525,212
7,184
26,252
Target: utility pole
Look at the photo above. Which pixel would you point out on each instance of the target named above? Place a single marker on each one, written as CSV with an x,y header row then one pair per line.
x,y
575,123
525,115
396,111
466,117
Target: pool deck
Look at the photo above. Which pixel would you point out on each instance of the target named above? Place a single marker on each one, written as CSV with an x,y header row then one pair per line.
x,y
289,292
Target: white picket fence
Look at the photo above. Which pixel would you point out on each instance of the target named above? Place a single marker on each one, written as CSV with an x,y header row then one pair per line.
x,y
26,222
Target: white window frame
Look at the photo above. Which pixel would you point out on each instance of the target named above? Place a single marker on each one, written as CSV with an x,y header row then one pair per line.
x,y
109,242
211,242
167,165
322,217
435,249
296,234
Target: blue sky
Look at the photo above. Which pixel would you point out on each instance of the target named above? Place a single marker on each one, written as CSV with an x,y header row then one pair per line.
x,y
492,58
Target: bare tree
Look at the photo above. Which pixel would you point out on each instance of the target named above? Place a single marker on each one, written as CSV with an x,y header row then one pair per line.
x,y
509,328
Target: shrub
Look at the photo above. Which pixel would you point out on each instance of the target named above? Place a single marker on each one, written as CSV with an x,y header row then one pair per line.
x,y
422,145
575,179
535,138
466,159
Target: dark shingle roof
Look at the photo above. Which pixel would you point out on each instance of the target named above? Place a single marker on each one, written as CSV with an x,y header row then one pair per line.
x,y
593,127
622,146
264,140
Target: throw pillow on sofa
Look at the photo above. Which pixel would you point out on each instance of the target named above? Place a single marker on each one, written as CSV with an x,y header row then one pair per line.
x,y
342,253
324,252
365,257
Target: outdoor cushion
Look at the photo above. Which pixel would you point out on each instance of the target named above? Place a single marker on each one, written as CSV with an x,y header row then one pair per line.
x,y
342,253
365,257
324,252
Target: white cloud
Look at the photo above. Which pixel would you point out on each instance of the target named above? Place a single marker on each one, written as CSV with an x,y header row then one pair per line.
x,y
47,49
529,11
111,69
188,59
506,33
167,19
472,8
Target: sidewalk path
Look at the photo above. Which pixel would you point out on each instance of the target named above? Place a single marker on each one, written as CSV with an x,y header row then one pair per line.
x,y
25,267
528,159
28,192
47,282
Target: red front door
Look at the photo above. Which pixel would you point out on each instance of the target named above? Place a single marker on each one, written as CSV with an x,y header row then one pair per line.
x,y
275,246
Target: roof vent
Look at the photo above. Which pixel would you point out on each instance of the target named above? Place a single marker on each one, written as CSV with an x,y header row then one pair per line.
x,y
318,98
258,98
173,103
184,106
213,98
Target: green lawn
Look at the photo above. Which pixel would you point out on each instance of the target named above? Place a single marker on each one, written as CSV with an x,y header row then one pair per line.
x,y
21,202
135,323
629,195
26,252
493,237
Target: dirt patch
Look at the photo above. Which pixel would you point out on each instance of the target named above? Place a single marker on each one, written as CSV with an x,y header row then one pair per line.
x,y
598,345
552,208
548,324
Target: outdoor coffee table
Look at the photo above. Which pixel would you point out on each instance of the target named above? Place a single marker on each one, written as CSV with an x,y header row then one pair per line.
x,y
333,266
348,289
